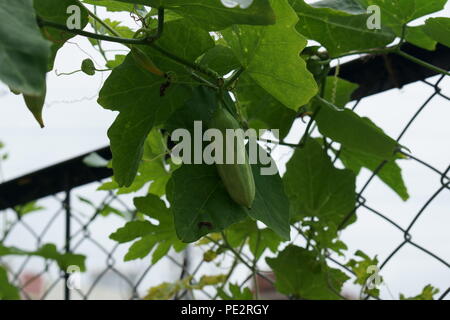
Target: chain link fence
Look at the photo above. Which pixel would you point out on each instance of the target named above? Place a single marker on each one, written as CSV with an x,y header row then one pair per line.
x,y
79,219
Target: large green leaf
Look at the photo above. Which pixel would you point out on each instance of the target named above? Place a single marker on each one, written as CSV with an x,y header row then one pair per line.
x,y
316,188
360,134
213,15
23,52
439,30
259,240
338,91
220,59
160,237
270,56
299,273
111,5
7,290
339,31
263,110
56,11
151,168
136,94
396,13
200,203
271,205
390,174
349,6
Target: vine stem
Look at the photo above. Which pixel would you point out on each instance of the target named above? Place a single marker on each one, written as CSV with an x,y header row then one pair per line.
x,y
142,41
422,63
231,81
44,23
396,50
97,18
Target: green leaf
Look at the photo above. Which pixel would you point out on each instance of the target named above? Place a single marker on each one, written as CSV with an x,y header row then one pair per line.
x,y
310,281
439,29
390,174
259,240
316,188
356,133
124,31
56,11
271,205
151,168
263,110
339,91
206,208
338,31
396,13
48,251
118,60
112,6
348,6
361,270
136,94
161,237
212,15
23,52
417,36
88,67
427,293
236,293
30,207
220,59
166,290
271,57
7,290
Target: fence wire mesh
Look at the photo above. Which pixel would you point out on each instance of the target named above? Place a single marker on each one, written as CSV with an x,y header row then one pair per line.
x,y
77,224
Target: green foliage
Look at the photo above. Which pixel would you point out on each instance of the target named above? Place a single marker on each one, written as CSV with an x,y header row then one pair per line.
x,y
236,293
361,269
256,64
313,280
337,30
7,290
88,67
285,77
22,48
316,188
166,290
28,208
427,293
57,12
136,94
438,29
211,15
160,237
48,251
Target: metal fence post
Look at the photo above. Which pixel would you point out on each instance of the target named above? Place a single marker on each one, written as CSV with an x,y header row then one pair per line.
x,y
67,240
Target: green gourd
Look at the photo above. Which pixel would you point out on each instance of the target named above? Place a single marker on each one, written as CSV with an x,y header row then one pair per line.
x,y
237,178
